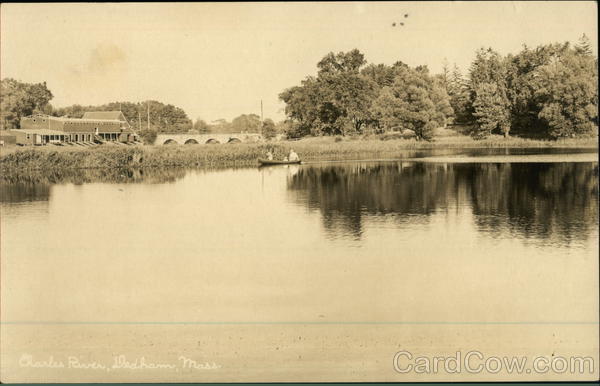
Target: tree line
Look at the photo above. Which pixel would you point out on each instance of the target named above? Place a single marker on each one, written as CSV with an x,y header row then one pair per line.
x,y
546,92
149,115
22,99
148,118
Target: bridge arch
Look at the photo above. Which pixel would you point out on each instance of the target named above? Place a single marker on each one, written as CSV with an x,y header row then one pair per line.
x,y
234,140
191,141
170,141
212,141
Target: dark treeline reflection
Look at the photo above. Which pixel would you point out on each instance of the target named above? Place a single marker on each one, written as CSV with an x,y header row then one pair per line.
x,y
35,185
550,201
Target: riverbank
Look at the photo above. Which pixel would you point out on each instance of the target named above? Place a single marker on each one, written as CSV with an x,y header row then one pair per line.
x,y
19,160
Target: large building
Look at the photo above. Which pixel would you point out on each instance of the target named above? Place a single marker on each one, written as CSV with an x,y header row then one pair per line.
x,y
96,126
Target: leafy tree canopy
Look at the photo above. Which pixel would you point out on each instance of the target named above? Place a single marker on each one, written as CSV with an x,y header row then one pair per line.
x,y
22,99
164,118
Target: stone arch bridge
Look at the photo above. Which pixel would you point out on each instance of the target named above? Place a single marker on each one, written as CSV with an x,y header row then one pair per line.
x,y
199,139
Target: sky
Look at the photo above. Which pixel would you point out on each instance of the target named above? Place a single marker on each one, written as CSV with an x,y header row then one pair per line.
x,y
219,60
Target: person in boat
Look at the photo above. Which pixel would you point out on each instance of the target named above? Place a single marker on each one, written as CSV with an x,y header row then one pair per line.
x,y
269,155
293,156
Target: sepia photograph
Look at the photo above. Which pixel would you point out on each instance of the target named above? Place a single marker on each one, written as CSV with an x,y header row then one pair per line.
x,y
382,191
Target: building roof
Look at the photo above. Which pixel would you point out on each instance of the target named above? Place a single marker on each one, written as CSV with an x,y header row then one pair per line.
x,y
66,119
83,120
39,131
118,115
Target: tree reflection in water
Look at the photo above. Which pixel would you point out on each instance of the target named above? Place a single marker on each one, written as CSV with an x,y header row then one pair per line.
x,y
35,185
552,201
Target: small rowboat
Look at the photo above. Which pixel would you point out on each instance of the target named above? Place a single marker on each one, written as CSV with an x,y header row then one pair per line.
x,y
266,162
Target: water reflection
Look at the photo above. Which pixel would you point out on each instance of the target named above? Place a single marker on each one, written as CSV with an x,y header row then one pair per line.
x,y
537,200
24,192
551,202
35,185
556,202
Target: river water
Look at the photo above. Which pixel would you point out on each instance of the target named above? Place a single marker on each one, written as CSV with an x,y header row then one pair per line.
x,y
316,272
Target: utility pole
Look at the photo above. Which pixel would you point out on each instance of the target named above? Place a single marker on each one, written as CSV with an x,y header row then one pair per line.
x,y
148,104
261,116
139,120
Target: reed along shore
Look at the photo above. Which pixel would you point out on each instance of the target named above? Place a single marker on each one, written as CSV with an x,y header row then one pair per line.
x,y
23,159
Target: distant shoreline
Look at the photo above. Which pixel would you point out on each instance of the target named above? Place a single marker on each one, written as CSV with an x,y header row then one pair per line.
x,y
20,160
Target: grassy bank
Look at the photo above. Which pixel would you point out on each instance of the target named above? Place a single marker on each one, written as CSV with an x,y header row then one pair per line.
x,y
310,149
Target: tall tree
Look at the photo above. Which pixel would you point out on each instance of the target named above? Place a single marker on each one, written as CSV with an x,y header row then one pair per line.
x,y
20,99
407,104
568,94
441,101
490,111
522,83
336,101
302,107
487,72
553,91
458,92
